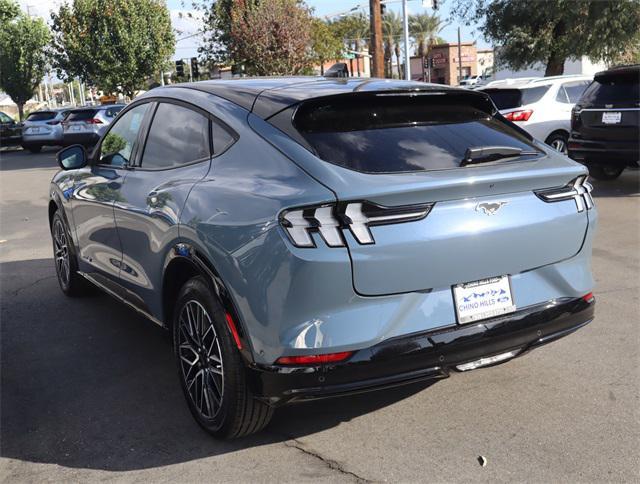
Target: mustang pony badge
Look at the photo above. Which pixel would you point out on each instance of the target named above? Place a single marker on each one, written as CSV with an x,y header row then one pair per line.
x,y
490,208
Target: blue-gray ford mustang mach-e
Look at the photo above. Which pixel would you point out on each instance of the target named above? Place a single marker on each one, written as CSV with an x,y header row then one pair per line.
x,y
307,237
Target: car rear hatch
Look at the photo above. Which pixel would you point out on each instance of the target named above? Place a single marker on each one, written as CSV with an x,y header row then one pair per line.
x,y
39,123
412,217
610,107
82,121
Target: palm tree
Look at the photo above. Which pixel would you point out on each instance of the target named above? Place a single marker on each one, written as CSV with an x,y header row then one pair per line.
x,y
424,29
392,32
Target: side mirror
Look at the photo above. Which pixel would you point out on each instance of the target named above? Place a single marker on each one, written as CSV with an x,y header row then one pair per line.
x,y
72,158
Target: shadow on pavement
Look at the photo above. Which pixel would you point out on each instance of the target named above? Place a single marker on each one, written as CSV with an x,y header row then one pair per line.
x,y
628,184
22,159
88,383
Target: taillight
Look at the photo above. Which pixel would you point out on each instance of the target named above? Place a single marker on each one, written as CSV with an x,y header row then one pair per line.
x,y
578,189
589,297
53,123
314,359
93,121
523,115
330,220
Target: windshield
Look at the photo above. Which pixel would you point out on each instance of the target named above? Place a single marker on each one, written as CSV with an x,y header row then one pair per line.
x,y
390,134
514,98
41,116
612,89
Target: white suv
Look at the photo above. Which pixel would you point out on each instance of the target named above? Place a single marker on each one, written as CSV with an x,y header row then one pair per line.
x,y
542,106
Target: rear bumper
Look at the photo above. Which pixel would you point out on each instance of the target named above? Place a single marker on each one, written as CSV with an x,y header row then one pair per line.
x,y
604,152
86,139
42,140
423,356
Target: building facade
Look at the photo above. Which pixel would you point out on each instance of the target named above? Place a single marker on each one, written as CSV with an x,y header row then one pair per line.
x,y
446,64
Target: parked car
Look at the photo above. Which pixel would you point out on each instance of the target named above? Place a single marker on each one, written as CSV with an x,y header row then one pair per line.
x,y
605,124
43,128
542,106
308,238
85,125
10,131
471,81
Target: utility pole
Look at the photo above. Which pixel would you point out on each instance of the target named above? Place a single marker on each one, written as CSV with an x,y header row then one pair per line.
x,y
459,58
405,28
377,54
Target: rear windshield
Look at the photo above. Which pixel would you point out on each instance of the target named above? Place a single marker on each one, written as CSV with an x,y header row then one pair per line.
x,y
618,90
81,115
41,116
390,134
514,98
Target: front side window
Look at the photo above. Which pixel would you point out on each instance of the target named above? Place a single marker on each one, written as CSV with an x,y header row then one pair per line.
x,y
117,146
4,118
178,136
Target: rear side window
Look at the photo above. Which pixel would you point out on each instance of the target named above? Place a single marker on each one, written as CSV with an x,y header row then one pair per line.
x,y
613,89
41,116
178,136
390,134
570,92
533,94
82,115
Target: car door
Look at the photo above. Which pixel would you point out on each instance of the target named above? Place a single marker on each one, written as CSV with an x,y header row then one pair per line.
x,y
97,187
9,130
176,154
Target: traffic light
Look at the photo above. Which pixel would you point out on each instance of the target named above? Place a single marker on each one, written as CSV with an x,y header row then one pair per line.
x,y
180,68
194,68
383,8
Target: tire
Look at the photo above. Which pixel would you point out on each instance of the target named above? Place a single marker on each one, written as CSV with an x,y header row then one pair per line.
x,y
65,259
210,367
605,172
559,142
35,148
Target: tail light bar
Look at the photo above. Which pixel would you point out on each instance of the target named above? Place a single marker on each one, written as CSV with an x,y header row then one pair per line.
x,y
93,121
578,189
522,115
330,220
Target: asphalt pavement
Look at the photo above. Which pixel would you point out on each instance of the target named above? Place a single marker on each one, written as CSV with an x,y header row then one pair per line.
x,y
89,390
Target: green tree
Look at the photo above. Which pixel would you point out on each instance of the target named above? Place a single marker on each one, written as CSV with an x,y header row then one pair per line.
x,y
22,53
325,44
424,29
392,33
552,31
272,37
113,44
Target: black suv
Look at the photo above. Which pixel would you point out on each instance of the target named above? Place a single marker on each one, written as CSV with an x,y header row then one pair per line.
x,y
605,127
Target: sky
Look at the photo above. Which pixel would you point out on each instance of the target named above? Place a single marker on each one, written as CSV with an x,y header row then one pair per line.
x,y
187,44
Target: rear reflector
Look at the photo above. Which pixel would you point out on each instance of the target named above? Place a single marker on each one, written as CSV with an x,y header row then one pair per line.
x,y
234,330
314,359
589,297
489,360
519,115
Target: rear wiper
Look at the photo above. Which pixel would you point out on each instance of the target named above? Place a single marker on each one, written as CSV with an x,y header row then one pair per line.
x,y
485,154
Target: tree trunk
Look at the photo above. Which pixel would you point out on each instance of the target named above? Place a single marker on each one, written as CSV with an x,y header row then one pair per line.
x,y
397,49
20,111
555,65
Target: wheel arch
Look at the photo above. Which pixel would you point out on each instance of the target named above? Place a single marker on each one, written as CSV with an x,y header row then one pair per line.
x,y
561,131
185,261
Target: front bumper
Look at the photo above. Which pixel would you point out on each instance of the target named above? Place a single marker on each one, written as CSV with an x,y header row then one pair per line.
x,y
422,356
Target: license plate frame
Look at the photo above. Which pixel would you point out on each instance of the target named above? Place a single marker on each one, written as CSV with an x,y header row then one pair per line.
x,y
486,298
611,117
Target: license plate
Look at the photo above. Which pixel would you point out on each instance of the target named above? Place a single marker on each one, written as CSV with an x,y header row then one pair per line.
x,y
483,299
611,117
34,130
